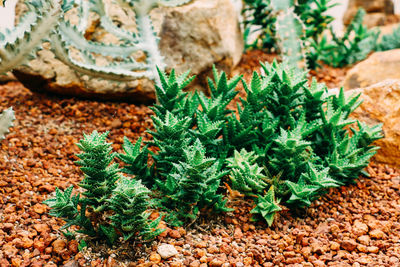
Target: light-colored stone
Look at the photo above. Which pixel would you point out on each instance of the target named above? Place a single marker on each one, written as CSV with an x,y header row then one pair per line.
x,y
388,29
381,104
374,19
377,234
370,6
359,228
378,67
166,251
193,36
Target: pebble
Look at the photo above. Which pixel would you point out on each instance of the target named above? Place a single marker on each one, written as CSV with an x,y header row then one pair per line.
x,y
359,228
155,258
377,234
373,249
364,239
349,245
167,251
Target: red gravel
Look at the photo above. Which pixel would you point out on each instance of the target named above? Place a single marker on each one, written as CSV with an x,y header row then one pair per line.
x,y
356,225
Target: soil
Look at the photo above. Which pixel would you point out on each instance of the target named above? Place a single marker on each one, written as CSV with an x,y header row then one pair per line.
x,y
356,225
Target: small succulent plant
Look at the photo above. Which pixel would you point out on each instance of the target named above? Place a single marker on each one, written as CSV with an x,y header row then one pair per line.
x,y
111,204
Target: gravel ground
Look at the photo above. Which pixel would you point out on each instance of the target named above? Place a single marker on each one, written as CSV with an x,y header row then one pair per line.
x,y
357,225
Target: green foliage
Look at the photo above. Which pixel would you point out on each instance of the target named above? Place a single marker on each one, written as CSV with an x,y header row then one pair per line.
x,y
287,143
129,201
310,186
267,206
313,14
136,161
100,176
355,45
296,29
286,26
112,204
299,136
246,175
192,185
258,14
390,41
171,136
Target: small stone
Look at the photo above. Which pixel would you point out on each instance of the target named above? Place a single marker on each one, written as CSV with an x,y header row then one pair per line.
x,y
359,228
59,246
71,263
40,245
362,248
175,264
53,131
364,239
318,263
306,252
276,236
248,261
335,245
377,234
16,262
8,227
174,234
373,249
41,227
9,250
349,245
167,251
40,208
316,247
73,246
216,263
238,234
334,229
245,227
155,258
364,260
203,259
201,244
213,250
26,242
195,263
294,260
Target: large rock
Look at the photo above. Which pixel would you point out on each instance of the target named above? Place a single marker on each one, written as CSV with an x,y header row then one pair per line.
x,y
377,8
382,105
193,36
378,67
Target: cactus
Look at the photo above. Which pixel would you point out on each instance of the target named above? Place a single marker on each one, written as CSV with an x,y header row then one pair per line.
x,y
45,19
289,30
18,44
6,121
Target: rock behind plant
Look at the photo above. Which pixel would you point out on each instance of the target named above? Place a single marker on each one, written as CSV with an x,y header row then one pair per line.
x,y
193,36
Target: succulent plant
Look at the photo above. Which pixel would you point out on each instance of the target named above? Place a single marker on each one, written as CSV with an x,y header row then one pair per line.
x,y
6,121
112,204
44,21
